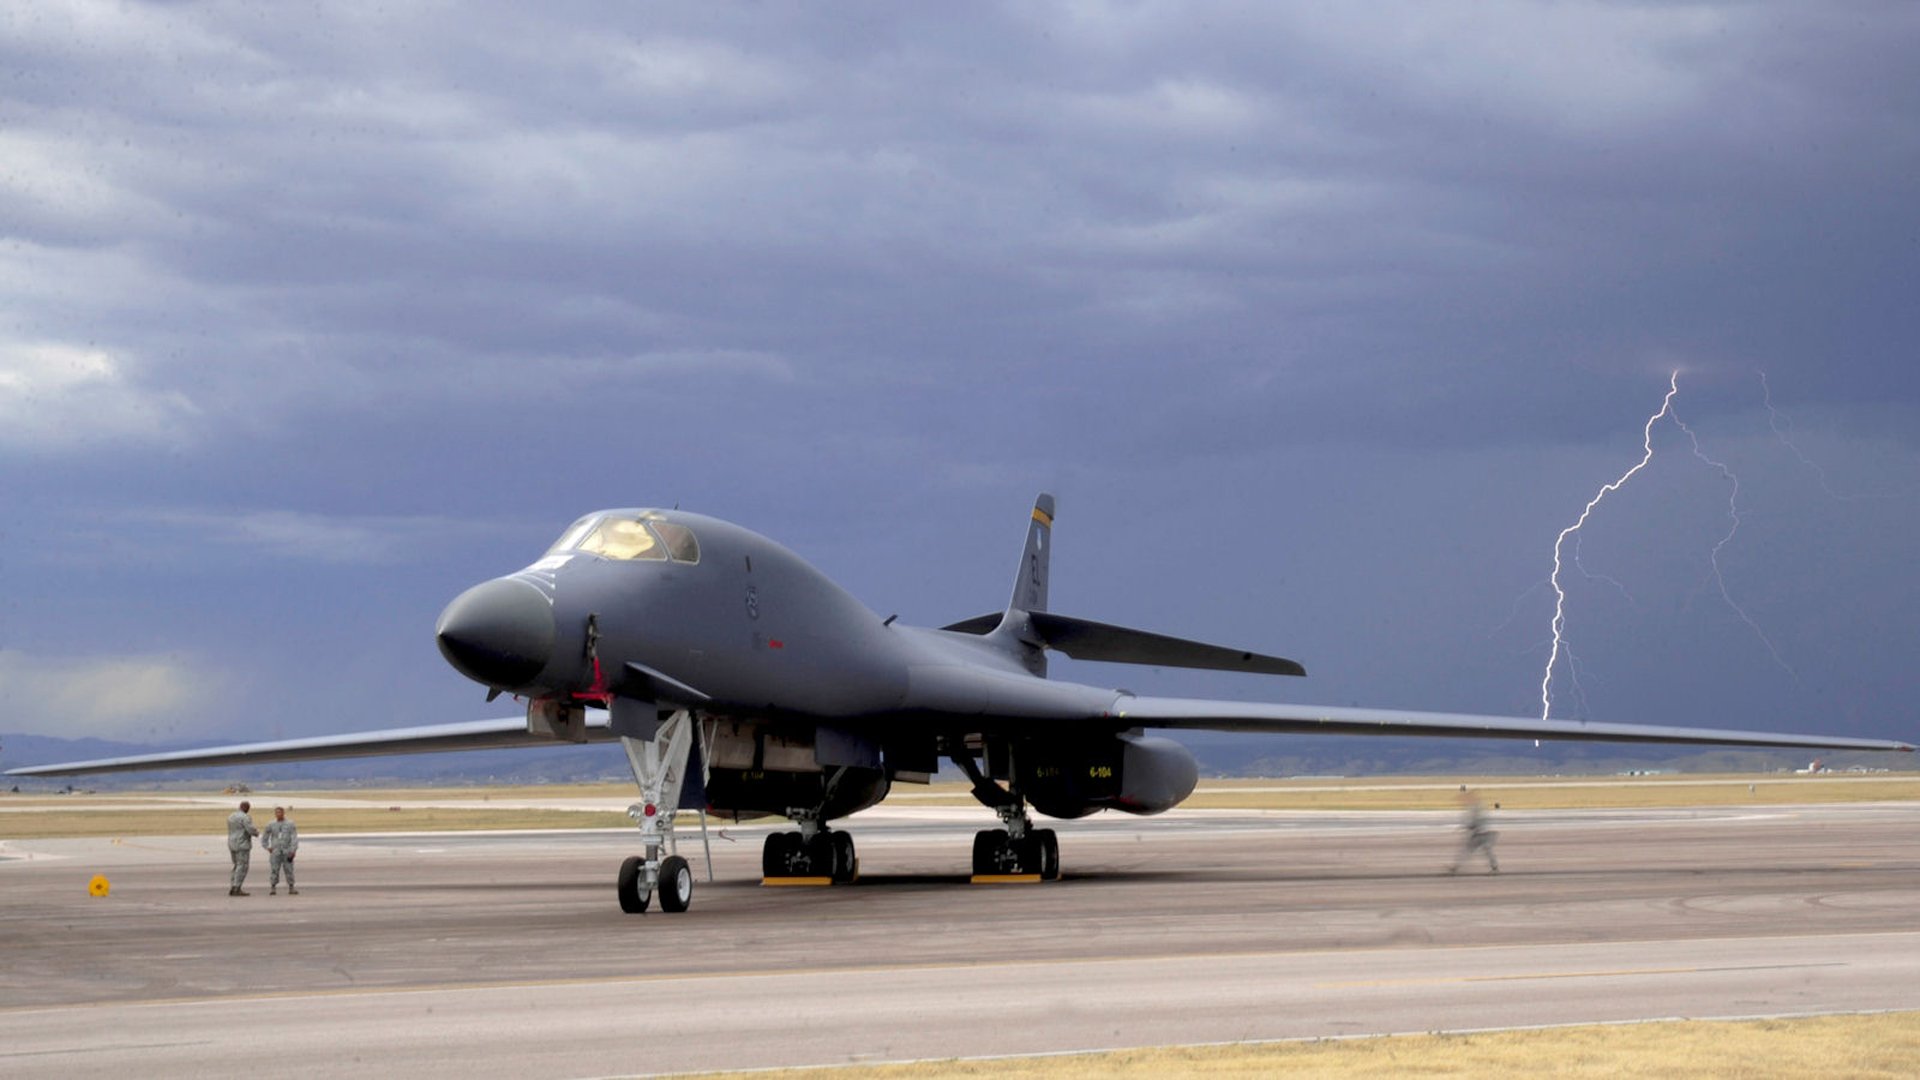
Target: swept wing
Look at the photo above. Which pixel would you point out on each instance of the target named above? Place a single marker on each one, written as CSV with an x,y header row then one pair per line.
x,y
1146,712
429,739
1203,714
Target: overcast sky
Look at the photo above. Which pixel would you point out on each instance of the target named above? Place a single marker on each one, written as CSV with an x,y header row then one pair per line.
x,y
1322,320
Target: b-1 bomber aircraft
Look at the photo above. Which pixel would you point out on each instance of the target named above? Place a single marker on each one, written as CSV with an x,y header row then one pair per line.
x,y
742,681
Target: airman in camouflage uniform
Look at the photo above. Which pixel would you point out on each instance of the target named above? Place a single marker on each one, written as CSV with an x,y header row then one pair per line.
x,y
281,840
240,834
1476,835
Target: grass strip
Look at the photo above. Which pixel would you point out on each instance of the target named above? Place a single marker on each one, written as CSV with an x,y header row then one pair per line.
x,y
1517,793
1880,1045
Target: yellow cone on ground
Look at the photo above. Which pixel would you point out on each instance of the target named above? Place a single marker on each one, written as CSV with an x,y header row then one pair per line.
x,y
98,886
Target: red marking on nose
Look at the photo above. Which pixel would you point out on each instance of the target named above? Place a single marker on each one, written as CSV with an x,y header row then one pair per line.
x,y
598,691
776,643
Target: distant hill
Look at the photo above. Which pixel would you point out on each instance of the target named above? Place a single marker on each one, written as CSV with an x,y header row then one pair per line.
x,y
1220,754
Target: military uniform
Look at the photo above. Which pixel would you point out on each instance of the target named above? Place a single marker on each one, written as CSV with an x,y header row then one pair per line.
x,y
1478,838
240,834
281,840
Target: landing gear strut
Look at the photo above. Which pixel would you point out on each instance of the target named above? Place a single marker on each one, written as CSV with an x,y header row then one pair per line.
x,y
660,768
1018,849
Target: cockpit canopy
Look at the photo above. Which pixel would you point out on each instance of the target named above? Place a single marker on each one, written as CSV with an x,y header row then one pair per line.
x,y
629,535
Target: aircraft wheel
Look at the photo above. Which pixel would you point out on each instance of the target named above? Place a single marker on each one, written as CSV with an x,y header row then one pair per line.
x,y
775,854
1023,855
818,856
1048,843
676,884
987,846
846,864
633,900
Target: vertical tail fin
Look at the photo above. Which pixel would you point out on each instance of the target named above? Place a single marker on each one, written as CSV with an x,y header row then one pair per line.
x,y
1030,585
1015,634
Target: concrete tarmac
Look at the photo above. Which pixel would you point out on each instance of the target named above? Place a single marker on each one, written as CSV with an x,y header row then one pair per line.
x,y
506,954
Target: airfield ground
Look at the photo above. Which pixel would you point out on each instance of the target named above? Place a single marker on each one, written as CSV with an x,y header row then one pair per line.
x,y
604,806
478,953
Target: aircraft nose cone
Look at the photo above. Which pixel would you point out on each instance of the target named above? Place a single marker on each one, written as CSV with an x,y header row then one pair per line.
x,y
499,632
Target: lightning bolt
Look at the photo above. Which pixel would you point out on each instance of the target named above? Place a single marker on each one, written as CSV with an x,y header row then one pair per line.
x,y
1604,579
1713,559
1782,426
1559,625
1559,542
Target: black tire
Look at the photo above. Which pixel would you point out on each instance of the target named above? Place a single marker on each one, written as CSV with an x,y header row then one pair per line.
x,y
1026,855
676,884
987,844
793,855
1049,844
632,879
785,856
816,856
846,862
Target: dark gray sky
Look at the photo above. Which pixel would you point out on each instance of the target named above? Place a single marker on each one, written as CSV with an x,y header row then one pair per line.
x,y
1321,319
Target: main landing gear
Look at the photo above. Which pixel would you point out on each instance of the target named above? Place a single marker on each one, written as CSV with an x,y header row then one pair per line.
x,y
659,767
1017,850
815,855
823,854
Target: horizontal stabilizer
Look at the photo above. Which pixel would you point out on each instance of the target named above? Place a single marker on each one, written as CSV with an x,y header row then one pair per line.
x,y
1084,639
432,739
979,624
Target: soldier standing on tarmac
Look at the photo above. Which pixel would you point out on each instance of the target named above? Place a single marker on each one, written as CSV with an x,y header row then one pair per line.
x,y
240,834
281,840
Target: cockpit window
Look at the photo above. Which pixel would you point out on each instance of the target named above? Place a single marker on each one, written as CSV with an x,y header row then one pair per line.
x,y
619,537
679,540
570,539
631,535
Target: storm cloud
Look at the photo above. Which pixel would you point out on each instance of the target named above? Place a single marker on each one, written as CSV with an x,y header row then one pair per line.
x,y
1322,321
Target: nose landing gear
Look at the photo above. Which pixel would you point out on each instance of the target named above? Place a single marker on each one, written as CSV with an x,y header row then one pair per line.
x,y
674,878
659,767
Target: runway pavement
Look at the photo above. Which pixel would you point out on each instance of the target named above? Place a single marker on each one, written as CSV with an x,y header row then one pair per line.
x,y
505,954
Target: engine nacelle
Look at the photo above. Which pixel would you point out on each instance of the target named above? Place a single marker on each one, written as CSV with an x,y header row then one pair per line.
x,y
1139,774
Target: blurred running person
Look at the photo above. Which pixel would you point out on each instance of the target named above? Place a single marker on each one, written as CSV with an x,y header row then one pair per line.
x,y
1477,836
